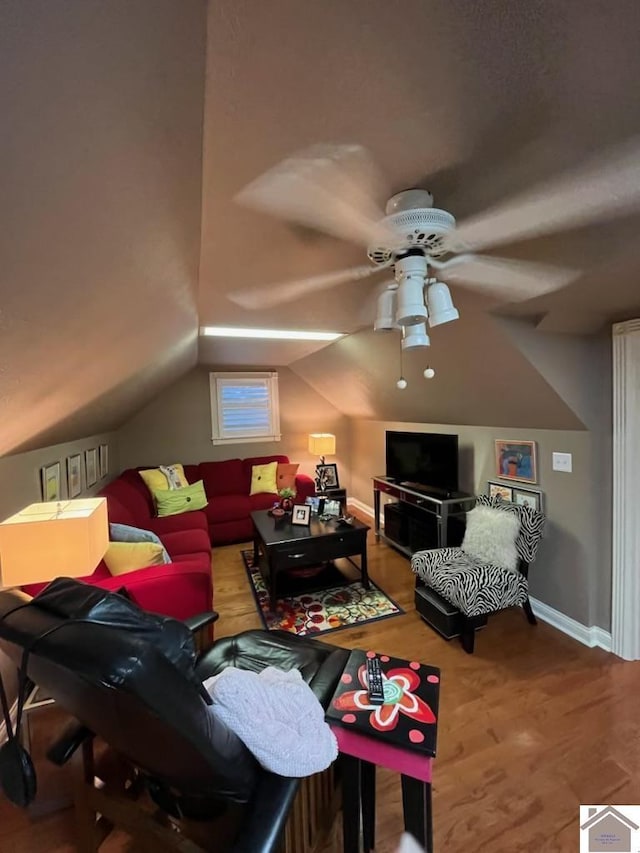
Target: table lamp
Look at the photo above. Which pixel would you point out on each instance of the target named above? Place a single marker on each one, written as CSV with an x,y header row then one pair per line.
x,y
52,539
322,444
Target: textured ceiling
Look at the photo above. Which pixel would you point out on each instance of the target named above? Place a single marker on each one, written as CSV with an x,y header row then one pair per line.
x,y
100,210
476,101
107,191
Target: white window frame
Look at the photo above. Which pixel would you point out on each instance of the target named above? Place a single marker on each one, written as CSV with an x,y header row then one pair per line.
x,y
270,380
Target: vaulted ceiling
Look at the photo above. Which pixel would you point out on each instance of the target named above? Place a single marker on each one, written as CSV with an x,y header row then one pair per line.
x,y
123,147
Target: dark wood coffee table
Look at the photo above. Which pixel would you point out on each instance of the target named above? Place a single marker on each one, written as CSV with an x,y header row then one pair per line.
x,y
280,546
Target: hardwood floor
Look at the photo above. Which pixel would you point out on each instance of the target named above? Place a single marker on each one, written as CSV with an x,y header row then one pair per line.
x,y
531,725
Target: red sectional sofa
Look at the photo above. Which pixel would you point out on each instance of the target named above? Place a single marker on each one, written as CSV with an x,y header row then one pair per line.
x,y
227,485
184,587
227,516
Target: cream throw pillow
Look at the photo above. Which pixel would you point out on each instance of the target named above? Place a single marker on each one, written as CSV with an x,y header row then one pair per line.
x,y
491,536
155,479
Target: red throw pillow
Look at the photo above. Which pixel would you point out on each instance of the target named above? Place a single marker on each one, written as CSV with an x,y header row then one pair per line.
x,y
286,475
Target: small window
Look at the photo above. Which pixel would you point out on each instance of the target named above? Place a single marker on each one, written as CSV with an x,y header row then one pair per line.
x,y
244,407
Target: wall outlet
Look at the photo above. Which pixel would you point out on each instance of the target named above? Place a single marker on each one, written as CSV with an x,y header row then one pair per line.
x,y
562,462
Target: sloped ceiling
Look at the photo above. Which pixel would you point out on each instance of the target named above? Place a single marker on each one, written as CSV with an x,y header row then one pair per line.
x,y
105,188
477,101
101,165
475,383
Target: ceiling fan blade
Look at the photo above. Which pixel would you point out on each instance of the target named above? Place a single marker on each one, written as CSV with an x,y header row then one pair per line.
x,y
262,297
332,188
507,279
599,189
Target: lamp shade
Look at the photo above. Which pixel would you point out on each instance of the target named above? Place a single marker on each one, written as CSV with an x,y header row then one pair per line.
x,y
322,443
46,540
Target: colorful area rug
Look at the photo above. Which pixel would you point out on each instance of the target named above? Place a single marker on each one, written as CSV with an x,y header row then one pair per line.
x,y
317,601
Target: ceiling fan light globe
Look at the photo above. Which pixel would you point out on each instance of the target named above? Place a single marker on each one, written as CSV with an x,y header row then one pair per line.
x,y
415,336
385,320
441,307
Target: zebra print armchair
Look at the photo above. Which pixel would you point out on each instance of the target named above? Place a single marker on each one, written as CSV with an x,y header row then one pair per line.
x,y
477,589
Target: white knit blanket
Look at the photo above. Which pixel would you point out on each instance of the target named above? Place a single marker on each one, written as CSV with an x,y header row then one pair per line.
x,y
278,718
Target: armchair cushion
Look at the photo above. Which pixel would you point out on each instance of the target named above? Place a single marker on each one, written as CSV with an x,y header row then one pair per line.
x,y
490,536
474,587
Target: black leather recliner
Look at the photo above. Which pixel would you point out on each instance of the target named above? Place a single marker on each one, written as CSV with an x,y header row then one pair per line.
x,y
134,679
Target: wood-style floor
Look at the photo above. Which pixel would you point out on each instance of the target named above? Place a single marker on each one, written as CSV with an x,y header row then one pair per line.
x,y
531,726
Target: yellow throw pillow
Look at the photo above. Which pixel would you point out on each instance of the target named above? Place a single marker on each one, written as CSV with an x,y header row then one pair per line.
x,y
155,479
123,557
263,479
176,501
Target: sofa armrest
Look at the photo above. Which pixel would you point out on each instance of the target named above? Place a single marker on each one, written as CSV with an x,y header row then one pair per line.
x,y
180,589
305,487
201,620
267,813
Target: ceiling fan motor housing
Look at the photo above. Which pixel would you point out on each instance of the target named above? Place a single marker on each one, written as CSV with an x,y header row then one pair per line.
x,y
413,223
410,273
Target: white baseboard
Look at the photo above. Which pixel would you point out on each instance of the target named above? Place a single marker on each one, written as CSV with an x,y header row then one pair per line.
x,y
364,508
592,637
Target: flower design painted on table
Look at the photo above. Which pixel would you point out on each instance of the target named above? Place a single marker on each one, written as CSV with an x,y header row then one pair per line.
x,y
398,686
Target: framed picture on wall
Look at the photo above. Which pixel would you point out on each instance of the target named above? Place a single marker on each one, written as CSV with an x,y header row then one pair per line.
x,y
74,475
50,482
499,490
516,460
91,465
526,497
104,460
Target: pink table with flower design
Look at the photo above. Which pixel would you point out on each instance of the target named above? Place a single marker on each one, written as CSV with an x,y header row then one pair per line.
x,y
400,735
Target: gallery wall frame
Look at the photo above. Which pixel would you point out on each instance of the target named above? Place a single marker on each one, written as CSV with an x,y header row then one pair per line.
x,y
516,460
50,481
91,466
103,456
499,490
529,497
74,475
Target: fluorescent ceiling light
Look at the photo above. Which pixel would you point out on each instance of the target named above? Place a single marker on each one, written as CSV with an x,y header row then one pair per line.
x,y
269,334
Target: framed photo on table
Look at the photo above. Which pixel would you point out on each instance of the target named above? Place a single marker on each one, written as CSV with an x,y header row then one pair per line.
x,y
74,475
516,460
327,477
301,514
50,481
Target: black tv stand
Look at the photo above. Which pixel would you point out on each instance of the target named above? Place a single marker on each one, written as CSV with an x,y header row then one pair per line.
x,y
420,501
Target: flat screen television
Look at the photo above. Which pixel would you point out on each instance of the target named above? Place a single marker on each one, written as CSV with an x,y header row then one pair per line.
x,y
428,459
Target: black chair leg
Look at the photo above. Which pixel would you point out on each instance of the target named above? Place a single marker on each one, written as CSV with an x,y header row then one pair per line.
x,y
531,618
467,637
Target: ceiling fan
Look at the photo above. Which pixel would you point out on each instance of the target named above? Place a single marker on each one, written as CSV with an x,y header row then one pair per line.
x,y
334,188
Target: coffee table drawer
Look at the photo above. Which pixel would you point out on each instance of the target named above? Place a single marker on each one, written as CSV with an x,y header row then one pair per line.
x,y
318,550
